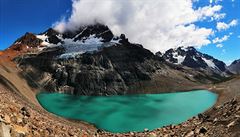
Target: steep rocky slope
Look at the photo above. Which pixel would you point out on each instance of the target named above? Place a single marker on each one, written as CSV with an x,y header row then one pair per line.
x,y
235,67
20,119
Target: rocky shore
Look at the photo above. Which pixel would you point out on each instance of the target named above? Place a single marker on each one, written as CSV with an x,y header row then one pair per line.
x,y
19,119
220,121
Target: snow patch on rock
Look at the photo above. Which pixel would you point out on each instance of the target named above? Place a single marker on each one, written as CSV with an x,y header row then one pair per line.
x,y
44,38
209,63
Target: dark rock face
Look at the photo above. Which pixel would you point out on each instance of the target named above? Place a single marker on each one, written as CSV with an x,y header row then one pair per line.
x,y
236,62
98,30
54,39
193,60
108,72
220,64
159,54
235,67
123,39
51,32
52,36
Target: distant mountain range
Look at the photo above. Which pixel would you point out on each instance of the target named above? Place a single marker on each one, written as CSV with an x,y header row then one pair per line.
x,y
192,58
92,61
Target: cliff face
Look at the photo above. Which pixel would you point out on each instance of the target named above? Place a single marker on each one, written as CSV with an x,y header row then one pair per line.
x,y
119,69
109,71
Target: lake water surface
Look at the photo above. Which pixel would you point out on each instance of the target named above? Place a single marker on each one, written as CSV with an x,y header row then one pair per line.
x,y
129,112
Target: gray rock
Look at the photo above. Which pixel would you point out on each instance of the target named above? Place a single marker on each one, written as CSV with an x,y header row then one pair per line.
x,y
4,130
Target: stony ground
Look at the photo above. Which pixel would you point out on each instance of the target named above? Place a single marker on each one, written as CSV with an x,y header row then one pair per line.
x,y
19,119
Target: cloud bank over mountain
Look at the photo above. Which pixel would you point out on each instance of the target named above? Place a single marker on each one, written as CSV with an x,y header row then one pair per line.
x,y
158,25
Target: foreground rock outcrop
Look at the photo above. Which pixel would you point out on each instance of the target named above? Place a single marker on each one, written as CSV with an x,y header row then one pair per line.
x,y
19,119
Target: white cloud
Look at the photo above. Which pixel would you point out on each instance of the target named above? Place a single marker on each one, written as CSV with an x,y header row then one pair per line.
x,y
220,40
219,45
208,11
222,26
158,25
233,22
218,16
225,26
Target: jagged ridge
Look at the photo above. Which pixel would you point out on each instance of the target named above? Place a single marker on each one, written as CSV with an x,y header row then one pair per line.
x,y
192,58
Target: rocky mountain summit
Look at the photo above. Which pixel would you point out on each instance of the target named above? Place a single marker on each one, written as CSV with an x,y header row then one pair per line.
x,y
192,58
235,67
83,34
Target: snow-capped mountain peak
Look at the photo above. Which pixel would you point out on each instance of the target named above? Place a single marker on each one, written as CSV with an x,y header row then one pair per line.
x,y
192,58
88,38
85,39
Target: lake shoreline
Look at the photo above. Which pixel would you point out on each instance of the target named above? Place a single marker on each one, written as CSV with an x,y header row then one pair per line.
x,y
168,130
117,105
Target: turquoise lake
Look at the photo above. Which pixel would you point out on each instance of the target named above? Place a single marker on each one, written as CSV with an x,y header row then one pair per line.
x,y
129,112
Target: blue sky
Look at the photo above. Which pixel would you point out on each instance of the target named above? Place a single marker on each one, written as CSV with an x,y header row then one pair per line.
x,y
231,47
20,16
